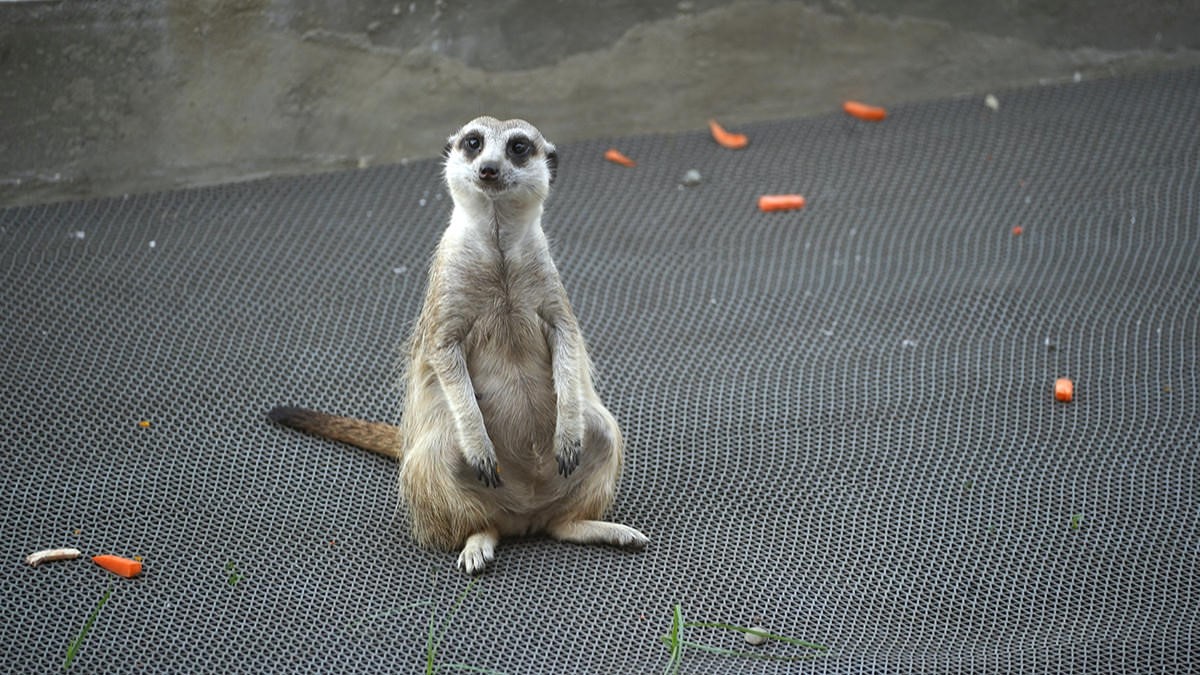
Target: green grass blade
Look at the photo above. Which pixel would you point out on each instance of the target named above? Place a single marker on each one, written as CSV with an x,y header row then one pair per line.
x,y
770,636
720,651
434,639
73,648
674,640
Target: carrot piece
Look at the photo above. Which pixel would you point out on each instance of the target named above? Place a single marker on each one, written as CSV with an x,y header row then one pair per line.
x,y
780,202
1064,389
1018,231
617,157
864,112
118,565
727,139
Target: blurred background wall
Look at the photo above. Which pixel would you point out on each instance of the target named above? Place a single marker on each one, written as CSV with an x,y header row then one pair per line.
x,y
107,98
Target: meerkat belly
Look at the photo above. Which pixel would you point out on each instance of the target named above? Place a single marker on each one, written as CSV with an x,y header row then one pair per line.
x,y
509,362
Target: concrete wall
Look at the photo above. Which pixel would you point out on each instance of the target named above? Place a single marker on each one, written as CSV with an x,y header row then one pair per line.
x,y
105,97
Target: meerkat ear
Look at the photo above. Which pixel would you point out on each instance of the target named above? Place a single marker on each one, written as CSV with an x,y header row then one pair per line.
x,y
552,163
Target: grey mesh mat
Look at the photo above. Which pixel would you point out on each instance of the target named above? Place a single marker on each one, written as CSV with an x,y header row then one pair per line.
x,y
841,423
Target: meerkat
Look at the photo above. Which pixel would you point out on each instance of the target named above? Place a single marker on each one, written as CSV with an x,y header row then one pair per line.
x,y
502,432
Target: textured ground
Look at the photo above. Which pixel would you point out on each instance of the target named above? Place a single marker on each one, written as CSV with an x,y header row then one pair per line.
x,y
840,419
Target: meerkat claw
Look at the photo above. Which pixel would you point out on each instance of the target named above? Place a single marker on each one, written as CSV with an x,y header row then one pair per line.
x,y
568,456
488,473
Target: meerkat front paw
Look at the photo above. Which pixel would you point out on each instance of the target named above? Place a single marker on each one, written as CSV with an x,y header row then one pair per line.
x,y
567,448
487,471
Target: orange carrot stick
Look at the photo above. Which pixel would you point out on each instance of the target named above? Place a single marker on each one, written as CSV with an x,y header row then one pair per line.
x,y
616,156
118,565
726,139
864,112
780,202
1064,389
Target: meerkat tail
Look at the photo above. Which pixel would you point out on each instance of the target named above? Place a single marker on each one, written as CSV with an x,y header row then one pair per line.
x,y
377,437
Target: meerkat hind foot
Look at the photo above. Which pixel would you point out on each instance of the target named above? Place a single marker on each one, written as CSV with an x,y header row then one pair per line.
x,y
599,532
478,551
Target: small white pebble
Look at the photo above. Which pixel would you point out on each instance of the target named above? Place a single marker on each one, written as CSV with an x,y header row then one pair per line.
x,y
153,243
421,201
78,234
755,638
691,178
1078,76
403,269
991,102
908,343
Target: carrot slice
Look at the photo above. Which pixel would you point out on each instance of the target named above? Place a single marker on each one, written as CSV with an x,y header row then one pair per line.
x,y
616,156
780,202
727,139
1064,389
864,112
118,565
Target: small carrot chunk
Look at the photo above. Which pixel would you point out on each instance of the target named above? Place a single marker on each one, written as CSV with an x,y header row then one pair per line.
x,y
1018,231
1064,389
863,111
727,139
780,202
618,157
118,565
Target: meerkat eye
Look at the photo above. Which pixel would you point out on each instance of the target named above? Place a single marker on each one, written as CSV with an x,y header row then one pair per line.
x,y
472,142
519,147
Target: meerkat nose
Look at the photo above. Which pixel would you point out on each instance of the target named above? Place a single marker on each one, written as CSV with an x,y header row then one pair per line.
x,y
488,171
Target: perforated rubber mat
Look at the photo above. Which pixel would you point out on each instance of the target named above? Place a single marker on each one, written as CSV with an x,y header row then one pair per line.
x,y
841,422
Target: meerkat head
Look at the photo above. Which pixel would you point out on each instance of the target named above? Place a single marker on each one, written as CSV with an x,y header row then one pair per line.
x,y
496,161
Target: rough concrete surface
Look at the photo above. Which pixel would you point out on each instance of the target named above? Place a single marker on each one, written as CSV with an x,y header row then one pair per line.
x,y
104,98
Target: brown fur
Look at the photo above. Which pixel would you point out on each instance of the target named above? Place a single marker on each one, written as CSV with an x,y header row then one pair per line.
x,y
502,433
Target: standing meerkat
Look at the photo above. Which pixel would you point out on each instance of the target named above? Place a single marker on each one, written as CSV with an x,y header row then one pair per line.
x,y
502,432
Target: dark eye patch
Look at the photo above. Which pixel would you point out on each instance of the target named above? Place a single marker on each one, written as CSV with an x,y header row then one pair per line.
x,y
471,144
519,150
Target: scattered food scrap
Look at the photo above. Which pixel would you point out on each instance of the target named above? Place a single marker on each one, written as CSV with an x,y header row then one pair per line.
x,y
1018,231
991,102
691,179
145,424
780,202
727,139
1064,389
863,111
1076,521
51,555
118,565
617,157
